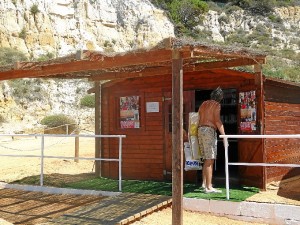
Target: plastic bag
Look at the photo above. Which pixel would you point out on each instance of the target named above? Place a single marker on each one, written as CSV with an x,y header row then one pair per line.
x,y
190,163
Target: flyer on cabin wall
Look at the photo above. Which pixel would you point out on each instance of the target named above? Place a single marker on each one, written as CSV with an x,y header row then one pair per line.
x,y
247,102
129,112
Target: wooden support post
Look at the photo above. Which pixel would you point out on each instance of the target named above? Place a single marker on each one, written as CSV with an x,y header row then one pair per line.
x,y
260,116
177,140
260,95
97,127
76,146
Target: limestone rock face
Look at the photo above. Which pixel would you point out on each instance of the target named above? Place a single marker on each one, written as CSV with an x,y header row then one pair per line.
x,y
61,27
282,31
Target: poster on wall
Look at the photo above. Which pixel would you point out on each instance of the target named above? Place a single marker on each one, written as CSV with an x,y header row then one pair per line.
x,y
129,112
247,101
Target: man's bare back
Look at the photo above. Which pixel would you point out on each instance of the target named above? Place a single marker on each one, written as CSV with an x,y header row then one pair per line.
x,y
209,115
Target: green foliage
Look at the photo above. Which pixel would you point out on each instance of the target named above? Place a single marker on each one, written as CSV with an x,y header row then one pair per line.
x,y
88,101
45,57
27,89
10,56
59,120
229,9
275,19
282,69
223,18
107,44
34,9
187,12
262,7
2,119
23,34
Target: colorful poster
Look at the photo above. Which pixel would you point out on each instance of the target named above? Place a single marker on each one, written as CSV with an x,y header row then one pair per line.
x,y
247,101
129,112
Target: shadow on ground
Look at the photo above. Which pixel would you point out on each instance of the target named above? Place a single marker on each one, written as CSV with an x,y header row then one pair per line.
x,y
289,187
24,207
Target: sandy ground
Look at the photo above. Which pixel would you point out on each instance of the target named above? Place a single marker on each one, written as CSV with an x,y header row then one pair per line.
x,y
14,168
164,217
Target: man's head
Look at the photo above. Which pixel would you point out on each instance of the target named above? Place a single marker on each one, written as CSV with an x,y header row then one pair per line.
x,y
217,95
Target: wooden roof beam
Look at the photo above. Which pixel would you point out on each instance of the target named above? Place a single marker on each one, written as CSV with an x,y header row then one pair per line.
x,y
84,65
218,53
156,71
223,64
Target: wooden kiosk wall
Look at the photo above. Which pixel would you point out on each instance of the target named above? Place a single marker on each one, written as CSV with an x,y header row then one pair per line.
x,y
143,148
282,116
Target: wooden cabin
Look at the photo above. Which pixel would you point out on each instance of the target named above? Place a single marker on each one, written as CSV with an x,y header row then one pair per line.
x,y
151,92
147,148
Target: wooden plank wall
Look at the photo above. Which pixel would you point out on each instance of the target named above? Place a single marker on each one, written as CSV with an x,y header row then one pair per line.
x,y
282,116
143,147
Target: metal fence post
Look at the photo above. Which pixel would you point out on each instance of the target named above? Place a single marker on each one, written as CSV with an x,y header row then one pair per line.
x,y
226,167
42,161
120,163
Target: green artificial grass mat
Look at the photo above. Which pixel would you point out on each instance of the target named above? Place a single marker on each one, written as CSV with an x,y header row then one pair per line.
x,y
237,193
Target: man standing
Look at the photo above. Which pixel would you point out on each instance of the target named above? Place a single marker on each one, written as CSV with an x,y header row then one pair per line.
x,y
209,122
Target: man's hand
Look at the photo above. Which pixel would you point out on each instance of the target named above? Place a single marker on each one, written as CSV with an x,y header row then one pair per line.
x,y
225,143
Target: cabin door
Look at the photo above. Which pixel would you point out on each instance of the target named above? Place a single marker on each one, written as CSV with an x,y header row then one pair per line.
x,y
188,106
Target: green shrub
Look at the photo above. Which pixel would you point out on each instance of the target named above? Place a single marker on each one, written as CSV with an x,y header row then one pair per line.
x,y
282,69
2,119
262,7
275,19
34,9
27,88
187,12
231,9
45,57
58,121
223,18
88,101
23,34
10,56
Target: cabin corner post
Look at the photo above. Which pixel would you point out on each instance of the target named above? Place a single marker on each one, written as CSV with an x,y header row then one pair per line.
x,y
177,139
97,127
261,116
259,83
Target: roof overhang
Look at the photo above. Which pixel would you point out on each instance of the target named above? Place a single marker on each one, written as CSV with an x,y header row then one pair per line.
x,y
145,62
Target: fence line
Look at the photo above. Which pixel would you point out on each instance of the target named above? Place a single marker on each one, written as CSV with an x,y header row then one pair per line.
x,y
225,138
42,156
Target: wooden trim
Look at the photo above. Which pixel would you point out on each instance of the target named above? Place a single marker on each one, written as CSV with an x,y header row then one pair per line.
x,y
97,88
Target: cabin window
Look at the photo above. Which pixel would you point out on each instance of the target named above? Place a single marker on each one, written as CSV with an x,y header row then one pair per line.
x,y
129,112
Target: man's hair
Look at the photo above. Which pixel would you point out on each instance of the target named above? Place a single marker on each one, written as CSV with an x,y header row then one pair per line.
x,y
217,94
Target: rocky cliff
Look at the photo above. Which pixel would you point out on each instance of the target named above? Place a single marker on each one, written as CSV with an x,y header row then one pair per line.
x,y
60,27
